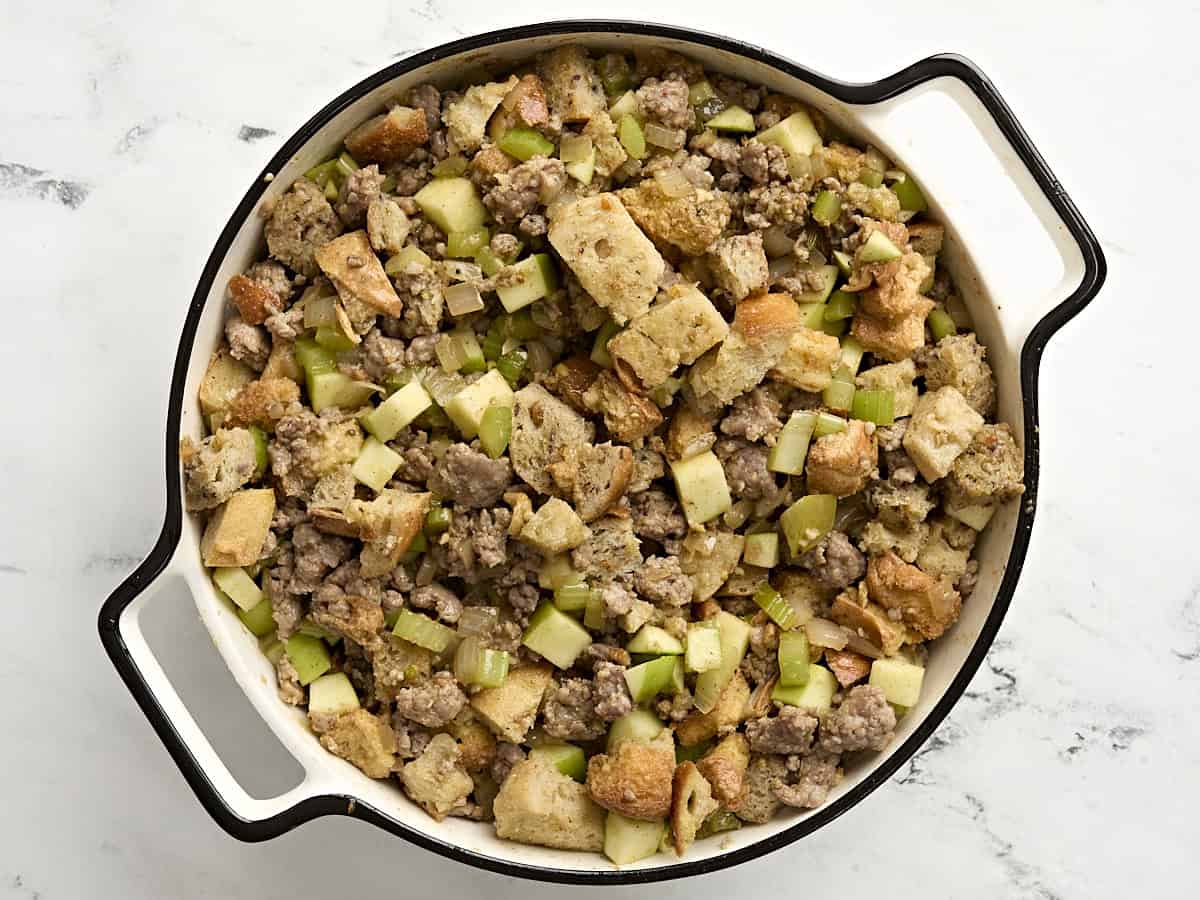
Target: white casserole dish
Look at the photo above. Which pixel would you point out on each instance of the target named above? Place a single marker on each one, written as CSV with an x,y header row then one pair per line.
x,y
940,119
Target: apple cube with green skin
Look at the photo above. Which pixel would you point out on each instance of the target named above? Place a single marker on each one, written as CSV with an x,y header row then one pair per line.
x,y
376,464
628,840
878,249
466,408
796,135
816,693
332,695
583,170
555,636
239,586
899,680
567,758
654,640
309,657
452,204
536,277
703,490
732,119
762,549
326,389
260,620
735,638
635,725
397,411
703,646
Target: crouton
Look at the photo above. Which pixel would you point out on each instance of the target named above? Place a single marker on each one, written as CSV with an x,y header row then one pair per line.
x,y
725,716
691,431
543,427
255,302
573,89
710,557
635,779
282,362
223,380
387,226
356,272
679,329
264,402
691,803
612,549
235,532
364,740
847,666
878,202
926,238
761,333
896,339
896,293
843,462
894,377
595,477
627,415
947,549
941,428
392,513
570,379
489,162
476,746
845,162
509,710
538,804
358,618
390,137
879,536
436,780
555,528
959,361
739,264
991,468
613,260
926,604
870,621
724,766
691,223
901,505
524,106
809,360
610,154
467,119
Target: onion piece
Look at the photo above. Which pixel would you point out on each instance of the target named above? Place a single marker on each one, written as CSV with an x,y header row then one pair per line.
x,y
462,299
759,703
674,183
450,353
824,633
800,167
478,620
667,138
776,241
863,646
457,270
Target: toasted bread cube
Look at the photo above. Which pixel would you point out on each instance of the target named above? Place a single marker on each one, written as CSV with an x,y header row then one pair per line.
x,y
809,360
390,137
467,119
234,535
538,804
595,477
364,740
573,89
555,528
739,264
476,746
542,430
879,536
896,339
926,604
357,274
264,402
843,462
945,554
710,557
610,153
691,803
436,780
762,331
941,428
509,710
725,716
255,302
223,380
635,778
926,238
387,225
691,431
868,620
627,415
897,378
613,260
959,361
676,331
725,768
897,287
991,468
691,223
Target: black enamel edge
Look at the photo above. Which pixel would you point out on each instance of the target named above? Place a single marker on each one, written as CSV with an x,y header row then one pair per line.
x,y
942,65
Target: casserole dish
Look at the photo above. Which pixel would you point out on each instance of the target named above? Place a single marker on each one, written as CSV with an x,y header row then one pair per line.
x,y
1021,254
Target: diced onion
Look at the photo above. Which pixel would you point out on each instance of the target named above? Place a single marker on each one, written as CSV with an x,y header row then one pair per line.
x,y
668,138
457,270
450,353
478,620
863,646
824,633
673,183
320,311
776,241
462,299
760,701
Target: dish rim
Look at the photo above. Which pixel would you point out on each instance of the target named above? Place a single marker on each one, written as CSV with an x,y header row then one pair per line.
x,y
936,66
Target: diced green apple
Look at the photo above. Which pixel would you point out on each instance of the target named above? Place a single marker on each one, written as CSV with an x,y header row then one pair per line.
x,y
817,693
452,204
555,636
309,657
397,411
703,491
650,679
807,521
536,278
656,641
703,646
636,725
466,408
796,135
376,464
567,758
260,620
828,276
628,840
735,638
733,118
878,248
238,586
583,170
332,695
794,659
899,680
326,389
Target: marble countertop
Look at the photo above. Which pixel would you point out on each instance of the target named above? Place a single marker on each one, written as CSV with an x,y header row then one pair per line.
x,y
130,129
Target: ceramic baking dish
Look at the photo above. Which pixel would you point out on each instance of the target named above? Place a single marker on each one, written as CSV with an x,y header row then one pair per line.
x,y
1005,212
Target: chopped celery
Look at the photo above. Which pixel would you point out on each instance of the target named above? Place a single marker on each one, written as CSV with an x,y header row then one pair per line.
x,y
493,341
452,204
573,597
332,338
735,638
796,135
870,178
828,275
536,277
628,840
941,324
260,450
699,92
376,464
841,305
521,326
762,550
479,665
677,682
309,657
793,658
632,138
900,681
600,354
733,118
815,694
701,486
692,753
524,144
827,423
650,679
488,261
555,636
878,248
808,520
466,244
438,520
836,328
654,640
313,358
451,167
772,603
826,208
467,406
332,695
422,631
259,619
238,586
908,192
346,164
844,262
703,646
839,394
398,411
717,823
511,364
851,355
567,758
791,448
312,629
637,725
614,72
874,406
593,613
331,189
495,429
321,173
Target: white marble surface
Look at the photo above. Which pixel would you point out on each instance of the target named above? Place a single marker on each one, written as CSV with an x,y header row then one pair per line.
x,y
130,129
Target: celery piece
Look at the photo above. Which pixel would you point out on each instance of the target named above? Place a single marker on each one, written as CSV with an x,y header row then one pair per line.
x,y
272,649
376,464
466,244
878,248
628,840
332,695
717,823
473,360
827,423
493,341
495,429
556,571
583,170
816,693
567,758
762,550
656,641
438,520
452,204
841,305
536,277
735,638
632,138
874,406
791,447
593,613
909,193
870,178
398,411
259,619
699,92
826,208
312,629
650,679
703,646
614,73
479,665
418,545
572,598
899,680
812,315
346,164
451,167
332,338
422,631
828,276
467,406
409,256
488,261
322,172
843,261
524,144
555,636
238,586
941,324
511,364
838,395
851,355
796,135
639,725
600,354
733,118
808,520
793,658
701,486
309,657
331,189
625,105
772,603
677,682
260,451
326,389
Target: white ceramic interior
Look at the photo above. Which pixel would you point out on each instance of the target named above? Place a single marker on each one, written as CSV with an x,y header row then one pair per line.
x,y
1013,262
